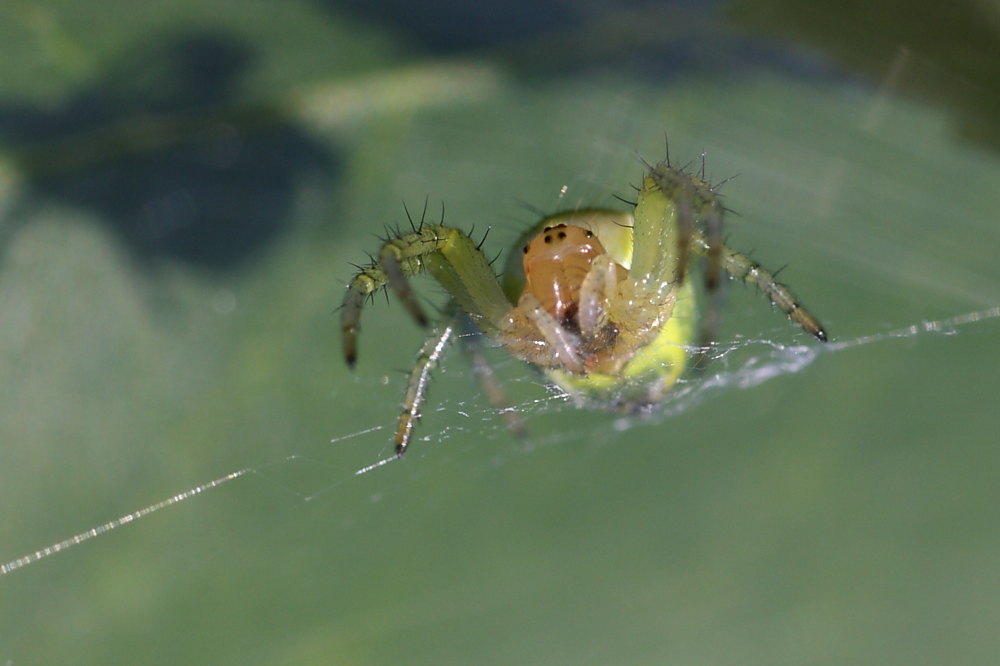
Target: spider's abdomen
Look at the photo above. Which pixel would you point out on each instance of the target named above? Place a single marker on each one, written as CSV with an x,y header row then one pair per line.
x,y
556,261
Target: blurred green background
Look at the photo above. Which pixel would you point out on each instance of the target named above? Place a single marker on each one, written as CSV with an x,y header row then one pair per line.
x,y
184,186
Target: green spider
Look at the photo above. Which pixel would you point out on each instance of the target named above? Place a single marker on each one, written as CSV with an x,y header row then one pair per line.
x,y
598,300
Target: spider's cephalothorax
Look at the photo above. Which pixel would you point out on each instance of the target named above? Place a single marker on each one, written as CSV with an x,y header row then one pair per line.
x,y
597,299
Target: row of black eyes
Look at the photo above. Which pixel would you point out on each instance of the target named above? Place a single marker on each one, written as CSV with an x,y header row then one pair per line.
x,y
561,235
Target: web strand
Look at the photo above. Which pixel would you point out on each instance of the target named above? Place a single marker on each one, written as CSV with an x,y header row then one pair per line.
x,y
128,518
787,359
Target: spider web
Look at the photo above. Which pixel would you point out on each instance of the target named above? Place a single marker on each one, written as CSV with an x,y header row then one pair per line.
x,y
740,364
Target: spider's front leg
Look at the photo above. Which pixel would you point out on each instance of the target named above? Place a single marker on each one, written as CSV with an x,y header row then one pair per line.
x,y
450,256
742,267
416,389
561,346
452,324
452,259
678,214
672,205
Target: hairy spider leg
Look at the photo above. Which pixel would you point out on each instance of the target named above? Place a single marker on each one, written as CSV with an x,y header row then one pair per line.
x,y
658,255
563,347
471,342
742,267
452,321
416,389
710,212
598,289
679,189
658,218
696,201
451,258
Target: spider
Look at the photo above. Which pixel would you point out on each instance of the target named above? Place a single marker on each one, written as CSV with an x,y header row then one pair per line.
x,y
600,301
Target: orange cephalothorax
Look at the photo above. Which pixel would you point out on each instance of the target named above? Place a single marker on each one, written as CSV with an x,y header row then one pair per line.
x,y
556,261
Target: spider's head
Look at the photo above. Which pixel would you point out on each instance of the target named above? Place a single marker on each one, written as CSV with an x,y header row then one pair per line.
x,y
556,261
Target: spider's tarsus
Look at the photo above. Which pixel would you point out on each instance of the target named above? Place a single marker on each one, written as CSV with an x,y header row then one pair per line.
x,y
350,350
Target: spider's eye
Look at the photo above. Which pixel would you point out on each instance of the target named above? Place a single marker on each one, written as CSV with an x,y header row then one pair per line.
x,y
525,249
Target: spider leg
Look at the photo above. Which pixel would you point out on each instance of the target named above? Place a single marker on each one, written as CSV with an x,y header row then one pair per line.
x,y
451,258
427,360
392,266
602,307
742,267
688,199
416,388
564,344
364,283
662,229
685,227
710,214
660,259
708,328
471,340
593,312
